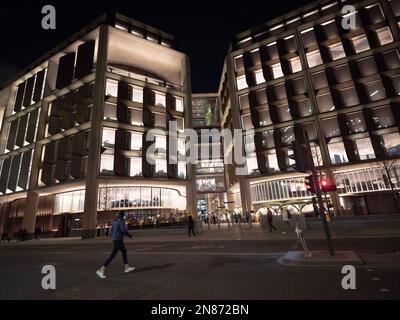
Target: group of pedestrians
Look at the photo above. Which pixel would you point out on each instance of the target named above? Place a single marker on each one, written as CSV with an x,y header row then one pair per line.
x,y
269,213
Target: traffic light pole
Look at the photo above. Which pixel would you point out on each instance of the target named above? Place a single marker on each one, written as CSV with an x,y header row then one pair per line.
x,y
318,194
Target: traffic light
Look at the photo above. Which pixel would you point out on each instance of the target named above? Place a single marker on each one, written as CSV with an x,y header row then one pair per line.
x,y
300,157
327,185
309,183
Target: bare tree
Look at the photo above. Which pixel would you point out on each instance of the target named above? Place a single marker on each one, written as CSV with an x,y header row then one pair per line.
x,y
389,168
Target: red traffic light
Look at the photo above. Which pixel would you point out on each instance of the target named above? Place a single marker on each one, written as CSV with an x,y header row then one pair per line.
x,y
327,185
309,184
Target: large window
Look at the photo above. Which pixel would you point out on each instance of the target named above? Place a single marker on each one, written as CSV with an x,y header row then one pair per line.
x,y
241,82
110,111
355,122
112,88
108,138
336,51
136,117
258,74
160,99
276,70
161,167
107,164
181,170
136,141
365,149
383,117
137,94
325,102
135,167
360,43
337,152
273,162
331,127
314,58
295,64
252,166
391,143
161,144
384,36
179,104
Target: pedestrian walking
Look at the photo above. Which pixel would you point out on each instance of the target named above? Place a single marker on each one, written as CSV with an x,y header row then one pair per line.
x,y
4,237
191,225
37,233
19,235
270,218
118,231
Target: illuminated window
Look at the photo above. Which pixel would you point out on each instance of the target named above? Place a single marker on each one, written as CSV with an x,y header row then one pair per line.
x,y
107,164
337,152
259,76
121,27
252,165
161,167
314,58
161,144
152,39
108,137
360,43
384,36
391,143
179,104
159,120
295,64
337,51
160,99
135,167
277,70
238,61
180,124
137,94
181,146
181,170
241,82
365,149
136,116
112,88
110,111
136,141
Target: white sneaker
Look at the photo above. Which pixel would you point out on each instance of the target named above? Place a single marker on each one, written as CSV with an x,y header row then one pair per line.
x,y
129,269
100,274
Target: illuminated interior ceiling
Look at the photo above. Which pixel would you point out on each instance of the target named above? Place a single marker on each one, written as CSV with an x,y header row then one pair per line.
x,y
132,51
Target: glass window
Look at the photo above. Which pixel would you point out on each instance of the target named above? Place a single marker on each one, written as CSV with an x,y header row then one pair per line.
x,y
391,143
161,144
181,146
325,102
136,141
107,164
121,27
331,127
349,97
265,118
383,117
135,167
273,162
384,36
159,120
259,76
336,50
136,117
375,90
160,99
365,149
314,58
152,38
137,94
268,139
108,137
287,135
276,70
244,101
180,124
241,82
110,111
252,165
355,122
295,64
246,122
179,104
112,88
161,167
360,43
337,152
284,113
181,170
239,65
304,107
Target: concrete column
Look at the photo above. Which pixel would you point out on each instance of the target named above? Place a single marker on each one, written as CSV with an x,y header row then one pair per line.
x,y
30,211
91,192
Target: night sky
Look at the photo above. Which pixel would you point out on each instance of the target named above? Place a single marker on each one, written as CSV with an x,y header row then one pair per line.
x,y
203,28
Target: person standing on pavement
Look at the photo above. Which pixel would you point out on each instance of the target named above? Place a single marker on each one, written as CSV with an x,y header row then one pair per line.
x,y
270,219
191,225
118,231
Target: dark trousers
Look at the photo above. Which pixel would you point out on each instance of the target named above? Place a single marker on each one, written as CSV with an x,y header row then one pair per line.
x,y
118,246
271,226
191,229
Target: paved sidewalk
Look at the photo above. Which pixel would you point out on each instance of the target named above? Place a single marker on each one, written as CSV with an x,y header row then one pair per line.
x,y
244,233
